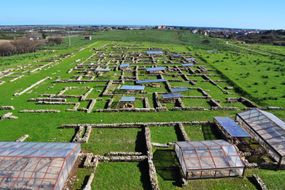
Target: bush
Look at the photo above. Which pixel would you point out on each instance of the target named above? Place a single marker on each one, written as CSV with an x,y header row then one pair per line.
x,y
19,46
55,41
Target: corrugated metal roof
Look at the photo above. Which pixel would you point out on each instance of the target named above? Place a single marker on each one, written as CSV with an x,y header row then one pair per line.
x,y
155,52
129,87
231,127
187,65
150,81
127,99
179,89
124,65
155,69
171,96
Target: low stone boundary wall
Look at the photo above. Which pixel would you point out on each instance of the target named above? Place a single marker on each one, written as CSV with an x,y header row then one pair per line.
x,y
84,97
32,86
151,167
81,136
8,116
127,110
39,111
124,154
89,182
123,158
22,139
91,105
7,108
136,125
75,108
183,132
105,91
259,182
51,99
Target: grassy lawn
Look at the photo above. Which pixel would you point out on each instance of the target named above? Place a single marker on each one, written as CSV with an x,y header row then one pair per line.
x,y
116,176
113,140
201,132
273,179
163,134
258,77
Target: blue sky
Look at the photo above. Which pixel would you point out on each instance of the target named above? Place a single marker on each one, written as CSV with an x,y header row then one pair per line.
x,y
261,14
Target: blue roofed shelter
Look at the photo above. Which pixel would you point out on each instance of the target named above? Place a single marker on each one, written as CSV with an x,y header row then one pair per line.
x,y
127,102
150,81
154,52
179,89
132,89
230,128
157,70
191,59
124,66
187,65
171,97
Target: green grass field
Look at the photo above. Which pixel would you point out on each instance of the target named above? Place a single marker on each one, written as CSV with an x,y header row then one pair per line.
x,y
258,77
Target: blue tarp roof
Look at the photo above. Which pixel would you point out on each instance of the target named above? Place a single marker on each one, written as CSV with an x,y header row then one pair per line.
x,y
125,65
191,59
231,127
179,89
102,70
187,65
171,96
150,81
176,55
128,87
154,52
127,99
155,69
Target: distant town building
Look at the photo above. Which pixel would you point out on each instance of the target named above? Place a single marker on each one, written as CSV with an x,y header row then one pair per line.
x,y
88,38
162,27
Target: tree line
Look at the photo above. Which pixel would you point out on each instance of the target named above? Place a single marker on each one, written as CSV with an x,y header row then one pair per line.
x,y
26,45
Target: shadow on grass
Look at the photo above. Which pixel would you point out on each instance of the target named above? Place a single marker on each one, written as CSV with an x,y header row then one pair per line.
x,y
140,142
252,181
84,182
167,166
210,133
179,134
143,166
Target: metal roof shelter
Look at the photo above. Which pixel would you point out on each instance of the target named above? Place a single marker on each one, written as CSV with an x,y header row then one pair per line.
x,y
190,59
155,52
171,96
32,165
155,69
132,88
231,127
209,159
102,70
127,99
150,81
124,65
176,55
179,89
187,65
267,129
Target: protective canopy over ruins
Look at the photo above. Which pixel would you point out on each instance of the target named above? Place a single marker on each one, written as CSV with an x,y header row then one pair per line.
x,y
30,165
267,129
208,159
